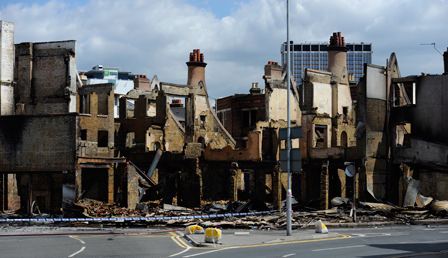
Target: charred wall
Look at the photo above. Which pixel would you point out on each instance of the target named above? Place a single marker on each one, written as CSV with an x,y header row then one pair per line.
x,y
46,77
38,143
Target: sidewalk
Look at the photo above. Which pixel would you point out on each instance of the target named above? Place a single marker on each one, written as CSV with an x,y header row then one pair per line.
x,y
257,237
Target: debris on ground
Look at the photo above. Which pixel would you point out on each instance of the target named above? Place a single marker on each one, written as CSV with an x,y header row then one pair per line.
x,y
301,217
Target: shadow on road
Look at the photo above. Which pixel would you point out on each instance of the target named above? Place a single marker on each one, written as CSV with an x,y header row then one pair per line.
x,y
414,250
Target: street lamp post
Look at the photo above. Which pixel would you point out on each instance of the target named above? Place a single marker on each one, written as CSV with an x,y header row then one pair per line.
x,y
288,135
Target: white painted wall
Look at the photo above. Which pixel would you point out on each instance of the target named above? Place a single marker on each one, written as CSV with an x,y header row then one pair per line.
x,y
6,51
376,82
344,98
322,98
200,106
7,100
278,103
6,68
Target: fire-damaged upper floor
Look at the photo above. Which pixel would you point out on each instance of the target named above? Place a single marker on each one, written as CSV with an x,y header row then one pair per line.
x,y
60,140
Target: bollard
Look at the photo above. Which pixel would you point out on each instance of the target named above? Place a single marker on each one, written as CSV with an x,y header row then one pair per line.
x,y
321,228
212,235
195,229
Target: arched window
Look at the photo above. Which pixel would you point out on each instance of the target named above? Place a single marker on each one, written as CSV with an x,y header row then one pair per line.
x,y
156,146
201,140
344,139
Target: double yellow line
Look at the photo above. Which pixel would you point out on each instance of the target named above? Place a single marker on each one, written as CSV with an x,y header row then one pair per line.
x,y
176,238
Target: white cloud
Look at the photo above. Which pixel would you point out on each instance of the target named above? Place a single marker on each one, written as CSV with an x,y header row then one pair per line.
x,y
156,37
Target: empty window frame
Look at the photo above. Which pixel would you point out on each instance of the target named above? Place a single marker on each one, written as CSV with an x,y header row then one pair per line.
x,y
84,104
320,136
103,138
156,146
345,115
201,140
202,122
249,118
403,135
405,94
344,141
130,140
83,135
103,105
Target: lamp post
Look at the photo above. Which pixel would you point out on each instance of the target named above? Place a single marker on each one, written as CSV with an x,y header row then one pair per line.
x,y
288,135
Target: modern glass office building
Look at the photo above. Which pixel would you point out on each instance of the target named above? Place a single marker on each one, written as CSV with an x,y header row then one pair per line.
x,y
315,56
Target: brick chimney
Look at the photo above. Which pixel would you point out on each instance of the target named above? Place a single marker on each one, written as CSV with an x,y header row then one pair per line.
x,y
445,61
337,57
255,90
196,68
142,82
273,71
176,103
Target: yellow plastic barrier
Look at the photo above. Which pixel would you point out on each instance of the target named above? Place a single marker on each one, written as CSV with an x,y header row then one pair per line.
x,y
212,235
195,229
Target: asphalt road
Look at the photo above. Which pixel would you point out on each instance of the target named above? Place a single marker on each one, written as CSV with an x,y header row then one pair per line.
x,y
402,241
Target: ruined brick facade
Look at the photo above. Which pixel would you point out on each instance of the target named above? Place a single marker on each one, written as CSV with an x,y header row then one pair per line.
x,y
60,142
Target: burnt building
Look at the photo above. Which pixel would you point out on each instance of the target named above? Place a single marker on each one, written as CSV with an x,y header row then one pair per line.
x,y
57,143
239,113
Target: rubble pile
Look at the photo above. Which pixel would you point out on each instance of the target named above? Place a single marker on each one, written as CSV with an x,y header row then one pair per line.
x,y
301,218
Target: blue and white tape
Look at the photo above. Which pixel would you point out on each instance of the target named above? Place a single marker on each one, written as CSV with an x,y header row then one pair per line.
x,y
138,218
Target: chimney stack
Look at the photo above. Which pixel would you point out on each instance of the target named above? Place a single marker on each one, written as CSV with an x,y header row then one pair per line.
x,y
196,68
445,61
142,83
176,103
255,90
337,57
273,71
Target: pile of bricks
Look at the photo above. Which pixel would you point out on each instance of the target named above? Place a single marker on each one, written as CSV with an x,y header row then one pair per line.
x,y
368,212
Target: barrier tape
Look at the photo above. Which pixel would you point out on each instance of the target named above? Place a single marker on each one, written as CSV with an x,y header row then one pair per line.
x,y
138,218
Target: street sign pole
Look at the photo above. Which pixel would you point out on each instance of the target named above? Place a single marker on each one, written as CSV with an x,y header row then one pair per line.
x,y
288,137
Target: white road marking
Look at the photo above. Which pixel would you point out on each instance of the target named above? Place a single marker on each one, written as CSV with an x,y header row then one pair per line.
x,y
377,234
343,247
188,248
82,242
82,249
288,255
432,241
217,250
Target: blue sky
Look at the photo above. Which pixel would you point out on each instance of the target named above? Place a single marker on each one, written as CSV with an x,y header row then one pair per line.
x,y
221,8
237,37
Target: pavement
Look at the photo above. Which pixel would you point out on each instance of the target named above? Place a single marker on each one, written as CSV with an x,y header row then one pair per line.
x,y
231,238
259,237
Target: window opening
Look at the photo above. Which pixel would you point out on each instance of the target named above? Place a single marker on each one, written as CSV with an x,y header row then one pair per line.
x,y
202,125
103,138
156,146
83,135
344,114
103,104
84,104
320,136
130,140
403,135
201,140
344,139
